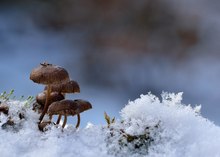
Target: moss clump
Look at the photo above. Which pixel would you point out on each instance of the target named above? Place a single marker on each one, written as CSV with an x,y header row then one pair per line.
x,y
120,142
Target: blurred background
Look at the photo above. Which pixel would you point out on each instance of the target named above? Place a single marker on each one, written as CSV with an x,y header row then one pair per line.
x,y
115,50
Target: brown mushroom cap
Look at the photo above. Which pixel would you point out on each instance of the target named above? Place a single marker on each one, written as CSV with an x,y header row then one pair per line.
x,y
4,108
69,107
54,96
65,87
83,105
49,74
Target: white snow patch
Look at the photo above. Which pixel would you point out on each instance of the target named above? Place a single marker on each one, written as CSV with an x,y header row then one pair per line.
x,y
175,129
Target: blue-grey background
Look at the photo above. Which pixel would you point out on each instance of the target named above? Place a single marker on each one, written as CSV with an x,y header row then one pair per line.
x,y
115,50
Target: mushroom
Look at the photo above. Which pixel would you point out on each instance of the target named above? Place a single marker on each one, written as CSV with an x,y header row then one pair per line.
x,y
66,87
48,74
69,107
41,99
54,96
4,108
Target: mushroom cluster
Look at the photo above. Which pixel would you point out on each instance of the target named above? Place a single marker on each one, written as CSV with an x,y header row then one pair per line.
x,y
52,100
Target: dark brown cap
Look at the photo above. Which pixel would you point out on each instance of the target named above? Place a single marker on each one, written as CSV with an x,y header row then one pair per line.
x,y
49,74
69,107
54,96
65,87
4,108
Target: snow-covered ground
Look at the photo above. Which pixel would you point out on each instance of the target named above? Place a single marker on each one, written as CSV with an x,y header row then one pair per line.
x,y
149,126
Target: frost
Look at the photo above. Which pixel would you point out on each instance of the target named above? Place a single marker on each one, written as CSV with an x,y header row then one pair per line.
x,y
149,126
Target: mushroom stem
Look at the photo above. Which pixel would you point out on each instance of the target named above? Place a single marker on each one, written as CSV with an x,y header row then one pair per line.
x,y
46,103
65,120
78,120
59,118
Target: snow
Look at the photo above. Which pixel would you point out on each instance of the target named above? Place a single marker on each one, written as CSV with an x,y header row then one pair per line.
x,y
184,131
149,126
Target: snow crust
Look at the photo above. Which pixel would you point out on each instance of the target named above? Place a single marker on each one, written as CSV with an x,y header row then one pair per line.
x,y
174,129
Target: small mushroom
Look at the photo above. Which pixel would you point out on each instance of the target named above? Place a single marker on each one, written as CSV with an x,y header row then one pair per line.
x,y
69,108
54,96
48,74
4,108
66,87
